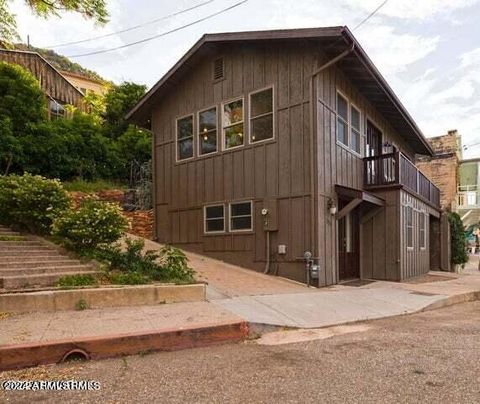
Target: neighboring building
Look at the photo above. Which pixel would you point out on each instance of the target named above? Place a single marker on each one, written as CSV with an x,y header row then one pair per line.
x,y
468,195
58,90
442,167
84,83
269,144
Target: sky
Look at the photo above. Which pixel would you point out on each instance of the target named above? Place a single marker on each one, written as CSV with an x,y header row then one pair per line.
x,y
428,50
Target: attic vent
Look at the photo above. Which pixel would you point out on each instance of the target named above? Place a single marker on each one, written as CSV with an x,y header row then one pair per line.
x,y
218,69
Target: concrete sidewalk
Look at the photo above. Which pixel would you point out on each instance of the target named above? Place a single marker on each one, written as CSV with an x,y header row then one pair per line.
x,y
345,304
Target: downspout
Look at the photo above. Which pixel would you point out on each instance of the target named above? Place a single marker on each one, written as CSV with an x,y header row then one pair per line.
x,y
267,263
313,101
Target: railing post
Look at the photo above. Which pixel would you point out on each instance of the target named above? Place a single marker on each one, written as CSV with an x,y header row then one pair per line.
x,y
397,167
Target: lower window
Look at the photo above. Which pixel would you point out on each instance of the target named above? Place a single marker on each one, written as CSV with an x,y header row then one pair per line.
x,y
214,219
241,216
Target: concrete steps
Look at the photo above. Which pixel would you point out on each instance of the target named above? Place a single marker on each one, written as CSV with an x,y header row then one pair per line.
x,y
33,264
41,270
37,281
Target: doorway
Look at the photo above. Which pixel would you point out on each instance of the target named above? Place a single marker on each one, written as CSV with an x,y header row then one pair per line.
x,y
373,145
348,245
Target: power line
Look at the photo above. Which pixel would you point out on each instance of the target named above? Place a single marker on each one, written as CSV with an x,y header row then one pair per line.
x,y
131,28
162,34
370,15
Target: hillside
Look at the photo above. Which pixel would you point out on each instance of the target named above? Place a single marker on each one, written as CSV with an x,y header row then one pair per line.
x,y
61,62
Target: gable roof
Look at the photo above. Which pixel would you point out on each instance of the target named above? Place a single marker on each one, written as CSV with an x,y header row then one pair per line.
x,y
35,63
357,66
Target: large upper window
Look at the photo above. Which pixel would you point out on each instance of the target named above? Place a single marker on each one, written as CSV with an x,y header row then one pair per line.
x,y
207,131
342,119
232,121
185,138
214,219
355,129
57,110
422,230
241,216
409,225
261,115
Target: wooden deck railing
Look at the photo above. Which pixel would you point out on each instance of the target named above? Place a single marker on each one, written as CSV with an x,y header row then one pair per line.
x,y
395,169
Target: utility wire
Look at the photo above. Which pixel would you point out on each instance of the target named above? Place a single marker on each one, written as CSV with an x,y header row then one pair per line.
x,y
370,15
130,28
160,35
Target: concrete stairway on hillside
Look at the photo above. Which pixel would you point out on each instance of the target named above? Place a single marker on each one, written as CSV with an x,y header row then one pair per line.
x,y
27,263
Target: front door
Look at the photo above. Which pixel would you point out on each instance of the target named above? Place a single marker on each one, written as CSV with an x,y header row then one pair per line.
x,y
348,245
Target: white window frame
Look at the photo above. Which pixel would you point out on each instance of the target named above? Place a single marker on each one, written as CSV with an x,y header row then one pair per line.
x,y
199,154
422,229
237,123
176,137
205,231
348,124
351,128
409,207
230,217
259,116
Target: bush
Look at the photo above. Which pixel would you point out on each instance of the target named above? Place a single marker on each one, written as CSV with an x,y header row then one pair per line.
x,y
131,278
31,202
93,223
169,265
458,240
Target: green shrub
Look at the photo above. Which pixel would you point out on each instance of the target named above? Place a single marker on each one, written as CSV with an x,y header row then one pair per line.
x,y
12,238
81,305
93,223
31,202
168,265
71,281
79,185
459,254
131,278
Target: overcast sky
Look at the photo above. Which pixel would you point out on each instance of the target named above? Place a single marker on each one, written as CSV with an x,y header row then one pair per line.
x,y
428,50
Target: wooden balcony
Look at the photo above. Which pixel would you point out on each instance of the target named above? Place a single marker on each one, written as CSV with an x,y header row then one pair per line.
x,y
395,169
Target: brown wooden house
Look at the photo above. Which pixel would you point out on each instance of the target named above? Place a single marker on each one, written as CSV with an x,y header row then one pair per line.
x,y
58,90
269,144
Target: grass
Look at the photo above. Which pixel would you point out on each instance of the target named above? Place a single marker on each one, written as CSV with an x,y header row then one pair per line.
x,y
71,281
92,186
12,238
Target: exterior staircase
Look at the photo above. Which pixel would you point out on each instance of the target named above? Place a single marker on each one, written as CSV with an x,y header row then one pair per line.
x,y
29,263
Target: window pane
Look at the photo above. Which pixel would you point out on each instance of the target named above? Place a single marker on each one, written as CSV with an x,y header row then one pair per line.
x,y
342,107
234,136
355,141
409,216
241,223
240,209
185,148
215,225
233,113
355,118
409,237
185,127
262,102
214,211
207,120
341,131
262,128
208,142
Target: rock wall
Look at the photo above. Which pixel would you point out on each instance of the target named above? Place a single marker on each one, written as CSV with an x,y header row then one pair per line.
x,y
141,221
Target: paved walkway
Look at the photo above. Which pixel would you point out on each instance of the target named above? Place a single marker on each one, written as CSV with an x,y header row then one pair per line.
x,y
226,280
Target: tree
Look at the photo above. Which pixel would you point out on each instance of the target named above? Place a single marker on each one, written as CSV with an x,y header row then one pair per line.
x,y
119,100
93,9
10,146
458,240
21,98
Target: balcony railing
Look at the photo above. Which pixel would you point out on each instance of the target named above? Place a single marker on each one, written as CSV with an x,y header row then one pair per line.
x,y
395,169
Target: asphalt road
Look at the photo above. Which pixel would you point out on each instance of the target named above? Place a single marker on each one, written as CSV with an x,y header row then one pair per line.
x,y
427,357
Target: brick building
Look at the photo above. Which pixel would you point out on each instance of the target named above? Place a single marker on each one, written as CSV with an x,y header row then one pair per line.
x,y
443,167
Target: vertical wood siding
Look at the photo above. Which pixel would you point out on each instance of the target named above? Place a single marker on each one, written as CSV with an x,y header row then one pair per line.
x,y
415,261
277,169
51,81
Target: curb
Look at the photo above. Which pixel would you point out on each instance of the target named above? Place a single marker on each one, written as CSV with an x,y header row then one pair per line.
x,y
34,354
454,299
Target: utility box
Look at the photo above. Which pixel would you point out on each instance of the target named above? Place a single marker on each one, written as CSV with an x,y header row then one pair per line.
x,y
270,220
